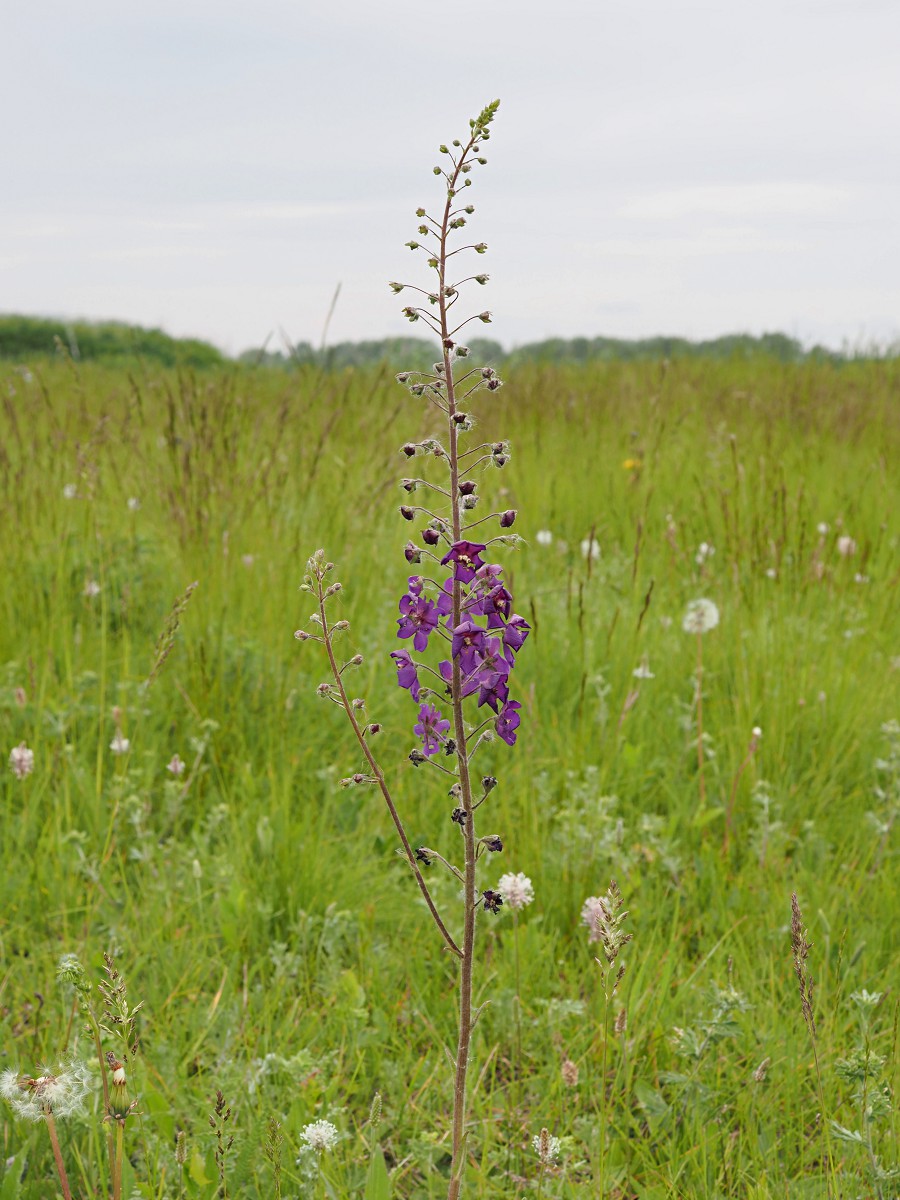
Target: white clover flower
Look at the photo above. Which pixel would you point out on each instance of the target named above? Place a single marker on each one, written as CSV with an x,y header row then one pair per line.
x,y
516,890
119,744
846,546
175,765
590,549
59,1095
21,760
822,527
544,537
320,1135
643,671
546,1147
70,491
91,589
700,617
133,504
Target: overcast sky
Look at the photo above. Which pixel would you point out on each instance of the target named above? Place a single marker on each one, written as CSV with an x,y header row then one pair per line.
x,y
657,166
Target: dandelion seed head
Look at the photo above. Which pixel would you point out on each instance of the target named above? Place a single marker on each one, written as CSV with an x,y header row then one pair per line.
x,y
700,617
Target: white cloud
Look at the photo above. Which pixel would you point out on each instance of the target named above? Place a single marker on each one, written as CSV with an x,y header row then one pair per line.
x,y
740,200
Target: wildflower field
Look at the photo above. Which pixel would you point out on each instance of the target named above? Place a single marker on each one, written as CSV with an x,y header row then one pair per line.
x,y
195,828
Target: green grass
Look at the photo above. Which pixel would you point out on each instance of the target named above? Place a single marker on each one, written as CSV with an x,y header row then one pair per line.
x,y
262,913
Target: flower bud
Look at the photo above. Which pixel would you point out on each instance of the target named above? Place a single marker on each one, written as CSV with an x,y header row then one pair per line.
x,y
494,384
470,208
460,418
423,230
324,689
462,351
373,728
493,843
403,376
488,783
340,625
467,487
430,537
408,449
469,502
458,816
356,660
420,212
301,635
413,245
500,460
480,248
396,288
358,703
412,553
484,317
507,518
406,512
482,279
408,485
416,757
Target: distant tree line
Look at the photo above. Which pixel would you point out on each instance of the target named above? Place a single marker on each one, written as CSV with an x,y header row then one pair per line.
x,y
24,339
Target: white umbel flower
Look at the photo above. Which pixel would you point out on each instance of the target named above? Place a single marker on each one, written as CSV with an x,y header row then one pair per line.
x,y
320,1135
700,617
516,890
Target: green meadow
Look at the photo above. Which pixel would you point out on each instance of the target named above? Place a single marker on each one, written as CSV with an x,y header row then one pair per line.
x,y
261,912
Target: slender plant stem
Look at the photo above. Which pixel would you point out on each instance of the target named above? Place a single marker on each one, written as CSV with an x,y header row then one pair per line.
x,y
120,1156
57,1154
700,755
457,1166
517,1065
603,1114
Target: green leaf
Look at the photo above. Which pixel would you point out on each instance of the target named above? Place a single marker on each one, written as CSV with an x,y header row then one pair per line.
x,y
10,1186
650,1100
378,1186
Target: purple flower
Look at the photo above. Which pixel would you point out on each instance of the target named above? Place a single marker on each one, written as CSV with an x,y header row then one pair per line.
x,y
468,641
508,722
418,620
444,602
494,666
469,683
431,729
508,518
496,606
493,692
466,560
407,674
516,631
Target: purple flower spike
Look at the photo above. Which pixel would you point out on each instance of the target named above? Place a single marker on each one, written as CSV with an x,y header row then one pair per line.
x,y
508,722
407,675
516,631
466,560
431,729
418,620
496,606
445,599
468,640
493,667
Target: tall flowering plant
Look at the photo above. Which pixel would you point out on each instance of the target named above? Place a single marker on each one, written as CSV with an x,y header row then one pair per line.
x,y
460,635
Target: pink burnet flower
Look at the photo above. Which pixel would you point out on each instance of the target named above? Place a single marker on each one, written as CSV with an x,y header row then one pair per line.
x,y
516,889
21,761
175,766
120,744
